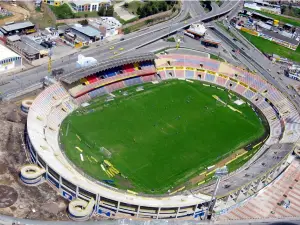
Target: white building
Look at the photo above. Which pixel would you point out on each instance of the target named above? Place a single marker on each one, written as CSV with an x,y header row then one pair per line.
x,y
109,26
88,5
197,29
263,6
9,59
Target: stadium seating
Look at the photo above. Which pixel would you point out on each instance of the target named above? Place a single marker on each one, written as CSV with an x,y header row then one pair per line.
x,y
180,73
221,81
249,94
210,77
133,81
189,74
267,203
53,105
128,68
240,89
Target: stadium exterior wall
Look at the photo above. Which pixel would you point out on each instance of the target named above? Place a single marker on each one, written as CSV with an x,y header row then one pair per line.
x,y
109,207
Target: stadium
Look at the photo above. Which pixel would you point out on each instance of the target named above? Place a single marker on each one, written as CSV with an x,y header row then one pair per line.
x,y
142,136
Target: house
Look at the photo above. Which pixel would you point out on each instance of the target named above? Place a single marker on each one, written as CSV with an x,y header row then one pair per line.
x,y
88,5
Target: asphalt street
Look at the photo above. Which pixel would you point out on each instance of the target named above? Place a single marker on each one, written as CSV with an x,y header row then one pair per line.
x,y
255,60
102,52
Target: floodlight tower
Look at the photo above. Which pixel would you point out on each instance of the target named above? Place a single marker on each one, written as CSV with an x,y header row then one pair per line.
x,y
220,172
50,53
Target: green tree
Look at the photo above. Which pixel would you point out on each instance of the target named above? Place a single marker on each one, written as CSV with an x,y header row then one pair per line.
x,y
110,11
101,11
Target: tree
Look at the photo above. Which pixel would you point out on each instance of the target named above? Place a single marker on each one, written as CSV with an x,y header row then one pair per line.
x,y
101,11
84,22
86,15
110,11
126,5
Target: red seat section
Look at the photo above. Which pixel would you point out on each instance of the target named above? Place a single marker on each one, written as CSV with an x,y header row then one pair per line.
x,y
92,79
128,68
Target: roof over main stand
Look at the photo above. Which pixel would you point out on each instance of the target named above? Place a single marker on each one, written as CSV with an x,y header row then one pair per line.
x,y
83,72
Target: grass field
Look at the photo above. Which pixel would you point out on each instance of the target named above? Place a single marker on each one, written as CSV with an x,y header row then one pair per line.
x,y
282,19
160,137
273,48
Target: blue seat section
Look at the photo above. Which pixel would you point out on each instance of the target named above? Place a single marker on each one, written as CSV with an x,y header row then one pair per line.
x,y
209,77
189,74
249,94
110,72
97,92
133,81
146,64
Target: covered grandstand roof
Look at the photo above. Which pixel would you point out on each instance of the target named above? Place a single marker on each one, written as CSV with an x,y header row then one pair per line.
x,y
83,72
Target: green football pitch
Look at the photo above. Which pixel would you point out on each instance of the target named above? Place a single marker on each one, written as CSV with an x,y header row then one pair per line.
x,y
160,137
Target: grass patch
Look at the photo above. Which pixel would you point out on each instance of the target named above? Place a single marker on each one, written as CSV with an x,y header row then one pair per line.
x,y
171,39
133,6
234,165
219,2
161,137
62,11
282,19
42,20
86,14
273,48
212,56
293,11
123,22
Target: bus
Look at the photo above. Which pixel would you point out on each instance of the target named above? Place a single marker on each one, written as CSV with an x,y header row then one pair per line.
x,y
210,42
189,34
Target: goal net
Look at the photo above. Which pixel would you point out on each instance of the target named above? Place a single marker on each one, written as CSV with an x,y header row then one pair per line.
x,y
106,153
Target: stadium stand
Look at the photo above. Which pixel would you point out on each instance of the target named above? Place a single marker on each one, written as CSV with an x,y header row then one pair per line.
x,y
272,201
52,106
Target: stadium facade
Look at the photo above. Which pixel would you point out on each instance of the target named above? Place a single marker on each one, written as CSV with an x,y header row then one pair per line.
x,y
58,100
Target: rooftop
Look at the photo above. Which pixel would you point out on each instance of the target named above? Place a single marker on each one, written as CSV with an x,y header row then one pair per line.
x,y
13,38
17,26
280,37
82,2
81,73
87,30
6,53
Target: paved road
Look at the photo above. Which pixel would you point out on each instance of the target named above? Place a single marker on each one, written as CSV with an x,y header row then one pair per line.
x,y
102,52
255,60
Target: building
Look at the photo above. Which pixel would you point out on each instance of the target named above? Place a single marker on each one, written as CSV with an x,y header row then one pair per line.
x,y
89,5
197,29
108,26
18,28
27,47
54,2
9,59
293,72
87,33
263,6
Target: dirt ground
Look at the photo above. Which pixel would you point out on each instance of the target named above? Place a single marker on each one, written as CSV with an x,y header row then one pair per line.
x,y
16,199
25,10
19,13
